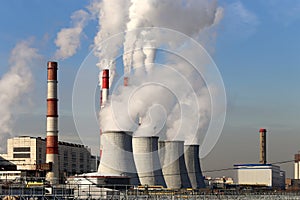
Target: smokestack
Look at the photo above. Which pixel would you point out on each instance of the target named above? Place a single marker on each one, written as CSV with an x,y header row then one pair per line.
x,y
192,161
52,124
263,146
173,164
145,153
297,166
104,97
105,87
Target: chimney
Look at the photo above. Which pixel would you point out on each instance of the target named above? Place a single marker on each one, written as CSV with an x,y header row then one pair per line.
x,y
263,146
105,87
297,166
52,124
104,98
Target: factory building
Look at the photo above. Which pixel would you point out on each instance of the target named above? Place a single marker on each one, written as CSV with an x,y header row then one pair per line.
x,y
262,174
265,175
29,154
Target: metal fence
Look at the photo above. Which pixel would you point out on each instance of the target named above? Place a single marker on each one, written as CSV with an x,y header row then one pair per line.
x,y
120,192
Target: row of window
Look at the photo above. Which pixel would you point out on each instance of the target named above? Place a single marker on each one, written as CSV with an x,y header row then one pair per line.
x,y
21,155
21,149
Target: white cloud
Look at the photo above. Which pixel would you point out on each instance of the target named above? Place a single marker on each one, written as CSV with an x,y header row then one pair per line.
x,y
68,39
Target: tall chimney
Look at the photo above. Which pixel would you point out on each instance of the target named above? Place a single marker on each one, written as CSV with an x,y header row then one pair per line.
x,y
105,87
103,98
297,166
263,146
52,124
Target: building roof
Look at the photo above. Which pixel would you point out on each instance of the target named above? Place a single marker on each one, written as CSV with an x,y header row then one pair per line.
x,y
59,142
251,165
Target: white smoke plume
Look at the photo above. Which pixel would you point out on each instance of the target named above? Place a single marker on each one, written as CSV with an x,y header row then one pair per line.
x,y
188,17
14,85
171,100
68,39
112,16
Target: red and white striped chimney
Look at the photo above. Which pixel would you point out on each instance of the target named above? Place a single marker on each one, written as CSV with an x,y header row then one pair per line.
x,y
104,97
105,87
52,124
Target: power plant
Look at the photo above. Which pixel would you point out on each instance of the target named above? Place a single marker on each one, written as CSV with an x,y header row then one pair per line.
x,y
125,159
142,160
146,160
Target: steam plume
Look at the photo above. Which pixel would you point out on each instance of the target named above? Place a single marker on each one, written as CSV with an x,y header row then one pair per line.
x,y
112,16
14,84
68,39
172,101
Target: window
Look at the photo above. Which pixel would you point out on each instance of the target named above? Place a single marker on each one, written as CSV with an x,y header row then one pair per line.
x,y
22,155
21,149
74,157
65,155
81,159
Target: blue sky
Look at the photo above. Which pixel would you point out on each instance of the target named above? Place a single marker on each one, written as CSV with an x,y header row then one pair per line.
x,y
256,50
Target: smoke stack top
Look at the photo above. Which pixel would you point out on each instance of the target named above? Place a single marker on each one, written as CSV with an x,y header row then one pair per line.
x,y
104,87
263,130
105,79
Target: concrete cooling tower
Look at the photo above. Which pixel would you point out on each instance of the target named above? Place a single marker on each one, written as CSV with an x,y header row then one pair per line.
x,y
173,164
192,161
145,152
117,156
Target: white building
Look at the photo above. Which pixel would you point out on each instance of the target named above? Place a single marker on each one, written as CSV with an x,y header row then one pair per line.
x,y
267,175
29,153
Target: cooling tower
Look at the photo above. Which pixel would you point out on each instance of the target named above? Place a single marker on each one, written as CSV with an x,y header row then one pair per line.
x,y
192,161
173,164
52,124
145,152
117,156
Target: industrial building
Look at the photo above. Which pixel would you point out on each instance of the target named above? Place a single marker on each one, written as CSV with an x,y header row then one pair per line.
x,y
29,154
264,175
